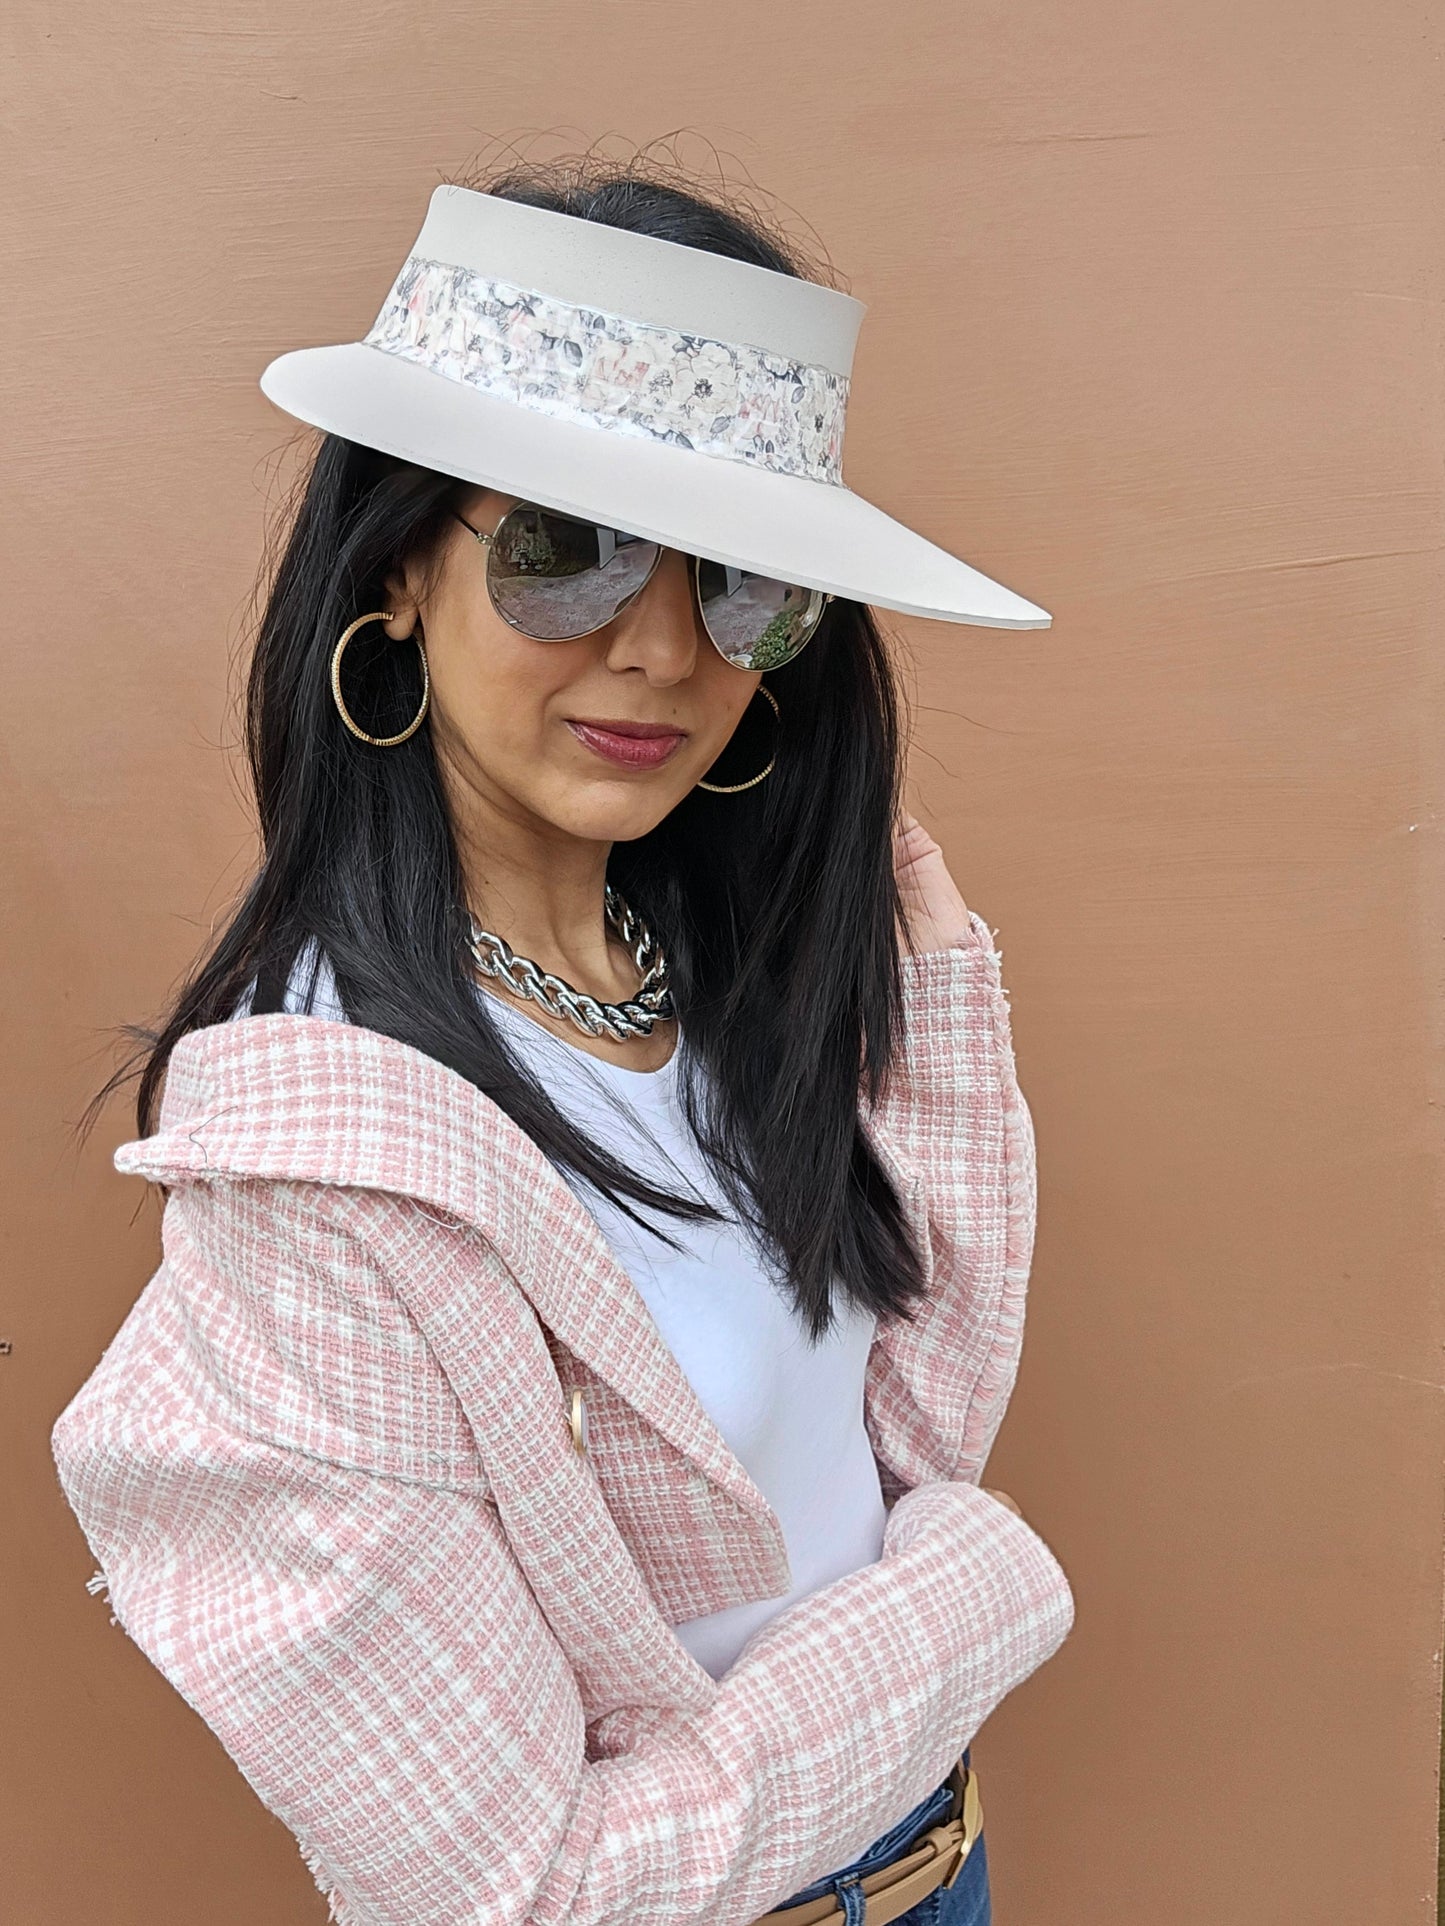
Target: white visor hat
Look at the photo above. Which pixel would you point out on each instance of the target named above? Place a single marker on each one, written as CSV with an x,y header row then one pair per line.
x,y
686,398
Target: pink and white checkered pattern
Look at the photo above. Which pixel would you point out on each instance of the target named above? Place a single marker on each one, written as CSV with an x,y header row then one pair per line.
x,y
326,1468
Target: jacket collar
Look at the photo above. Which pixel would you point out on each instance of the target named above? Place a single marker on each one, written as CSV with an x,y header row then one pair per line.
x,y
310,1099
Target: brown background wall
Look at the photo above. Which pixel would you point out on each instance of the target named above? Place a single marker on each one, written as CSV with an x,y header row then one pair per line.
x,y
1154,336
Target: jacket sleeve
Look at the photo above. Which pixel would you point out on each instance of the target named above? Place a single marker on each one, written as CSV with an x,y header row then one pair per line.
x,y
954,1114
340,1604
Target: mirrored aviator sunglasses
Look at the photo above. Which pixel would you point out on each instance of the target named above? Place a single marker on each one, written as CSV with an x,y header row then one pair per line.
x,y
555,578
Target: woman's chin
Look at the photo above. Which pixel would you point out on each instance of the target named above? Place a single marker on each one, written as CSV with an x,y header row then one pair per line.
x,y
612,810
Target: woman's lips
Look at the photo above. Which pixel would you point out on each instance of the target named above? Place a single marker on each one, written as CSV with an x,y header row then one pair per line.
x,y
633,751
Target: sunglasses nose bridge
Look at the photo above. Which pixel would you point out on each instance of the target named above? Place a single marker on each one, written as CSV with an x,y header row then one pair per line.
x,y
649,582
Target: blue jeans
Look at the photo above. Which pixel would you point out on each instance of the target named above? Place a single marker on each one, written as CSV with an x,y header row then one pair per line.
x,y
965,1903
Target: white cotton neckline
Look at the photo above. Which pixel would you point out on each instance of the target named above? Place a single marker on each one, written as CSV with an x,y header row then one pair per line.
x,y
658,1078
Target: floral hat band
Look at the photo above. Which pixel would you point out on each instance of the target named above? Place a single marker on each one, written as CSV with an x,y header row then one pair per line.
x,y
722,398
691,399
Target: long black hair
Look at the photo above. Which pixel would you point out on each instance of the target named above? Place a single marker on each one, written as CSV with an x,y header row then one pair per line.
x,y
777,906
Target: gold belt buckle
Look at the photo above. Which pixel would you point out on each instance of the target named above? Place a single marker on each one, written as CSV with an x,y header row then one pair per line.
x,y
972,1820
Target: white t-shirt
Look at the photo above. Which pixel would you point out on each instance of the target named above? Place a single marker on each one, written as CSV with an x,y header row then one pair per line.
x,y
791,1412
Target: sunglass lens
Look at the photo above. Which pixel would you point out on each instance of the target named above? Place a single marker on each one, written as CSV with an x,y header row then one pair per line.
x,y
756,621
553,577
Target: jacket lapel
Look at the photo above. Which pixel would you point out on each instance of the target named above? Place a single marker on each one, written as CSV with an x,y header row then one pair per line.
x,y
307,1098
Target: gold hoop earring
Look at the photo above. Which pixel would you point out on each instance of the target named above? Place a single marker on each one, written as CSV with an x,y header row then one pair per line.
x,y
380,742
732,788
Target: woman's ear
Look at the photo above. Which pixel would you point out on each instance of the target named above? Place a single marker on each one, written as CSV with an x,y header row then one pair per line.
x,y
400,599
409,589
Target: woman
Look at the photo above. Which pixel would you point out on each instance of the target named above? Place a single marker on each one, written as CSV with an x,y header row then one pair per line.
x,y
598,1195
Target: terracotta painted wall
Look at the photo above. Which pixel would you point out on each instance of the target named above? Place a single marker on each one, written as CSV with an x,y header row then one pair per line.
x,y
1155,337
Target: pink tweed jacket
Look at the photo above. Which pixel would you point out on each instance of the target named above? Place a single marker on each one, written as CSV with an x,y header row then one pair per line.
x,y
328,1472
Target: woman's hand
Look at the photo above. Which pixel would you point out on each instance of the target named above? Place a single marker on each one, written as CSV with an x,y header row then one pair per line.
x,y
936,910
1003,1499
919,1509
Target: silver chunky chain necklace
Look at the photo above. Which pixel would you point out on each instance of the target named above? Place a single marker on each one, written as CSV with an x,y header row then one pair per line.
x,y
525,979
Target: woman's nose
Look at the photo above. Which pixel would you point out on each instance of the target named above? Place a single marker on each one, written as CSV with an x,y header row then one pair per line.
x,y
658,632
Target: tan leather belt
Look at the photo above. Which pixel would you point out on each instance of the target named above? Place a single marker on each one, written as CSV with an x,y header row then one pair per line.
x,y
934,1859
